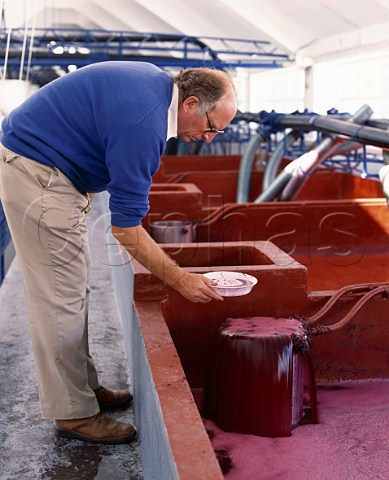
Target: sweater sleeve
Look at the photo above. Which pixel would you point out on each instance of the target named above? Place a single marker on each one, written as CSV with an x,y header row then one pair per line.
x,y
132,159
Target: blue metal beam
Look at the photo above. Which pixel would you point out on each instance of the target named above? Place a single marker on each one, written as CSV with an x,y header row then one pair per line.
x,y
64,61
81,47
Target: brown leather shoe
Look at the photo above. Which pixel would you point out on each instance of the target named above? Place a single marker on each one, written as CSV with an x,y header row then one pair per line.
x,y
112,399
96,429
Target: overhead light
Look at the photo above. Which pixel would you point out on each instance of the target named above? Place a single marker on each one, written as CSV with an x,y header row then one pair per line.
x,y
58,50
59,70
72,50
72,68
83,50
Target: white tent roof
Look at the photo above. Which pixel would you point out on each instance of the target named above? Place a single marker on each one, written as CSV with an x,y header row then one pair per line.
x,y
305,28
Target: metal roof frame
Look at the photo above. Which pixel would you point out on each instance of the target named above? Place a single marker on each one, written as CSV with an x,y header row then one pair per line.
x,y
64,46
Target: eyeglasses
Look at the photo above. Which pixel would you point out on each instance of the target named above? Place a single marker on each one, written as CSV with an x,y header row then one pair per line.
x,y
211,129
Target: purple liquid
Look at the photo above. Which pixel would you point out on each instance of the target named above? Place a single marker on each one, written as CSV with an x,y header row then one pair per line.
x,y
249,387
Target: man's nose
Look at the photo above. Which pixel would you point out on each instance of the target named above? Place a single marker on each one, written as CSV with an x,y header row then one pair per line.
x,y
208,137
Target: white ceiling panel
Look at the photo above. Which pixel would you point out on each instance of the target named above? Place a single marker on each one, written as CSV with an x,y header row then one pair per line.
x,y
295,26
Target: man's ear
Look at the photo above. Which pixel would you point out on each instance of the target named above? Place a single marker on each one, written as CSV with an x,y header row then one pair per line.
x,y
190,102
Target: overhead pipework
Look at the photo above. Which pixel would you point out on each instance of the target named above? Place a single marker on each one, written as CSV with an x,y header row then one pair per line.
x,y
308,163
64,46
341,143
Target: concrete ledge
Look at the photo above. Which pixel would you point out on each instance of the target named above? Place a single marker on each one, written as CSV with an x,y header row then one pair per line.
x,y
173,441
174,444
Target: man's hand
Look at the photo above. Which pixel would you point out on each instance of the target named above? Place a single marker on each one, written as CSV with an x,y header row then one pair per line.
x,y
195,288
142,247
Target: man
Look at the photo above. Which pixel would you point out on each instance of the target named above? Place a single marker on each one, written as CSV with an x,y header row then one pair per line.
x,y
103,127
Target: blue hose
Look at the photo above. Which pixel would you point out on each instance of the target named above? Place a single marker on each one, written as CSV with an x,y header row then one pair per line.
x,y
245,167
276,158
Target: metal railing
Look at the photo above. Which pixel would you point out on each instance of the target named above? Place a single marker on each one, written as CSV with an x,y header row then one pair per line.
x,y
64,46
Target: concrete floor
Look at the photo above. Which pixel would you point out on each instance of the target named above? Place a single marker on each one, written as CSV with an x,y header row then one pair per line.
x,y
29,449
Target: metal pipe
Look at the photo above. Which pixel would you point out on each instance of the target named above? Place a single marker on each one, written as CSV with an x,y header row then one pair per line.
x,y
345,147
362,134
305,163
308,162
303,122
6,54
321,329
275,188
245,167
34,9
275,160
375,133
348,290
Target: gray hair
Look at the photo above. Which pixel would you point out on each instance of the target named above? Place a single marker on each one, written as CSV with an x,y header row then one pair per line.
x,y
207,84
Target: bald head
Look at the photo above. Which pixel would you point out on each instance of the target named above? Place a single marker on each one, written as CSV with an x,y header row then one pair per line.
x,y
212,87
207,103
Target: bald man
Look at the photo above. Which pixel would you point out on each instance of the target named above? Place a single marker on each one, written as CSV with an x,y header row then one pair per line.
x,y
102,127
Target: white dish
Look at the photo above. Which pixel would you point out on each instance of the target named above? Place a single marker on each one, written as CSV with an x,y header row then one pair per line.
x,y
232,284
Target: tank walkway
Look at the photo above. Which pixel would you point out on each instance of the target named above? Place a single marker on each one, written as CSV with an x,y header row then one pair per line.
x,y
29,449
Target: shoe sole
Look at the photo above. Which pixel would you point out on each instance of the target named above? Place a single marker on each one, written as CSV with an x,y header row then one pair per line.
x,y
61,432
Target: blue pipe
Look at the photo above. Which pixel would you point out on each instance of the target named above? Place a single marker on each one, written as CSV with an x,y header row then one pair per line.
x,y
275,160
245,167
295,169
308,162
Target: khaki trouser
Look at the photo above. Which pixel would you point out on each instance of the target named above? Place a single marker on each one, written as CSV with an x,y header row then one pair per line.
x,y
46,218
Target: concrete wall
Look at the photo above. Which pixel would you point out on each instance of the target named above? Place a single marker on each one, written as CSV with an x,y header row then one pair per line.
x,y
157,458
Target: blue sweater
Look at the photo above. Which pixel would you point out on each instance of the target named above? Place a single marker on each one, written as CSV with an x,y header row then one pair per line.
x,y
104,126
